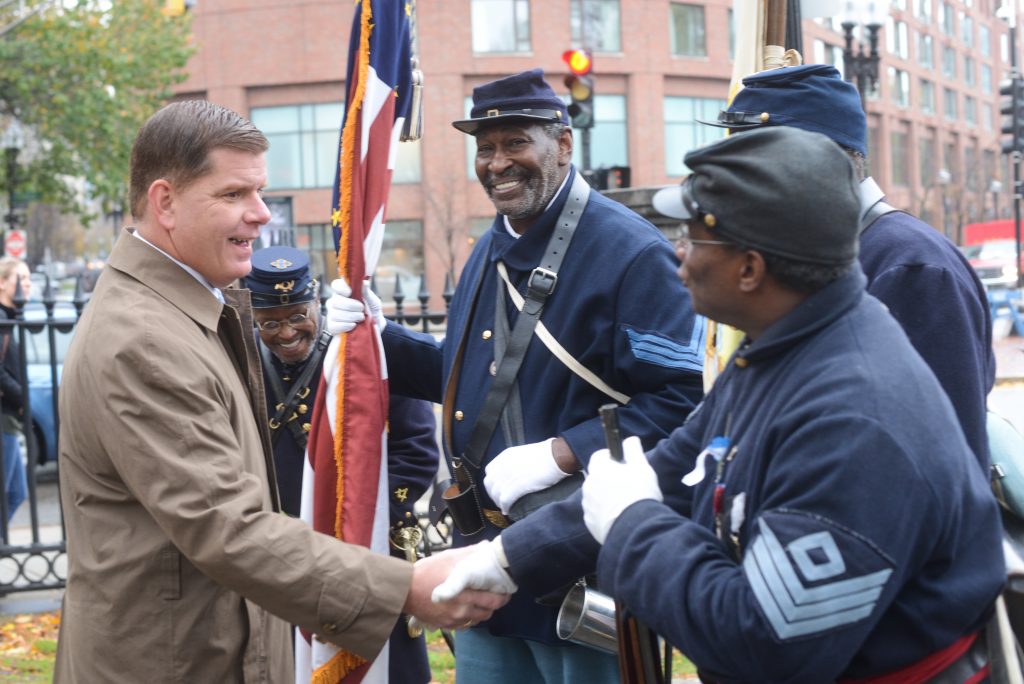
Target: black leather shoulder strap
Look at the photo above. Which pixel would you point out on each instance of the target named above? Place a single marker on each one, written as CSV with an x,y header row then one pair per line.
x,y
541,284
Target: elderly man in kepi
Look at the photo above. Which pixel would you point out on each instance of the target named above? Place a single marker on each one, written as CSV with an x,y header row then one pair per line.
x,y
916,271
521,395
821,517
286,312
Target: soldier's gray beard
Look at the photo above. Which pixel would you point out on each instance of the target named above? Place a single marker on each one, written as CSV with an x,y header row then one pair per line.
x,y
539,188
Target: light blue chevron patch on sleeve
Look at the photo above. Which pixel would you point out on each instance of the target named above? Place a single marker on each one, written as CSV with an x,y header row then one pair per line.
x,y
805,588
664,351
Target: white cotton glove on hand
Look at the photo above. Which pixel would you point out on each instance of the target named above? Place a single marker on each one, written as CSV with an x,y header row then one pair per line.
x,y
521,470
482,569
611,487
343,312
374,306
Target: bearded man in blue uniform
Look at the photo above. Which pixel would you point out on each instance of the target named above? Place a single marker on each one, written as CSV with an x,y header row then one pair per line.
x,y
613,308
286,310
820,517
916,271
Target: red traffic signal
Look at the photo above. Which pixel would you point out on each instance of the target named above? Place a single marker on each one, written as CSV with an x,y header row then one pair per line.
x,y
579,61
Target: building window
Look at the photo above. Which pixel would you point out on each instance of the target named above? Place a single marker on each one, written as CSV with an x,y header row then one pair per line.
x,y
899,5
925,50
401,258
682,131
304,146
970,111
600,29
969,72
947,19
949,103
896,38
927,96
501,25
972,168
948,62
609,137
900,157
899,87
873,155
732,35
967,29
984,40
986,115
688,34
951,160
828,54
986,78
926,160
923,11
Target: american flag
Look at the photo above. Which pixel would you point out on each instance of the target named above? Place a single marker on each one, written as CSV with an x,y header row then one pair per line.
x,y
345,483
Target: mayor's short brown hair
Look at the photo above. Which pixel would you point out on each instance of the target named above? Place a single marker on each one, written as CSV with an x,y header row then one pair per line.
x,y
175,144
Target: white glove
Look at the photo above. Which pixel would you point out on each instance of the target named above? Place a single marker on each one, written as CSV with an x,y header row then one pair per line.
x,y
521,470
611,487
482,569
373,305
343,312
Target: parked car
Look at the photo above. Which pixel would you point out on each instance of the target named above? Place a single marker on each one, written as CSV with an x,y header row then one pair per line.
x,y
41,367
993,262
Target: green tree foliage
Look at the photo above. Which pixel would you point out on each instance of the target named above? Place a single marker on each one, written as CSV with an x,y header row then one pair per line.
x,y
82,77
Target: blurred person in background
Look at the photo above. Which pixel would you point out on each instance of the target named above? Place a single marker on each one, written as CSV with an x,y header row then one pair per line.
x,y
13,272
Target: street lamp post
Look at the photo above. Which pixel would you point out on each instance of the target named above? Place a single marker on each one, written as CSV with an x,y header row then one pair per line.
x,y
12,142
860,63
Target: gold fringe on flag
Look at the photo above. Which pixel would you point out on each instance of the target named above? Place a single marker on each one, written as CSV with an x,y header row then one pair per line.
x,y
347,169
337,668
343,662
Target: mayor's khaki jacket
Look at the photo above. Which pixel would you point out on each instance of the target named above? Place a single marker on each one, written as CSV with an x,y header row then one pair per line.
x,y
177,554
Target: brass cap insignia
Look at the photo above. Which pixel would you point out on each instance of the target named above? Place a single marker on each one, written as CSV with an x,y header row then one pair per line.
x,y
285,285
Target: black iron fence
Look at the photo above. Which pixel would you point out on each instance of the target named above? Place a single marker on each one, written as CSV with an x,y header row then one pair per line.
x,y
32,538
32,548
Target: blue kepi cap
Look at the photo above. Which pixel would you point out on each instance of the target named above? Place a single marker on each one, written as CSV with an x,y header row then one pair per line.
x,y
525,96
812,97
280,277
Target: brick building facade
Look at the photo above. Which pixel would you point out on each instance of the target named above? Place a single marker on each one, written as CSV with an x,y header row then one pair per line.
x,y
934,118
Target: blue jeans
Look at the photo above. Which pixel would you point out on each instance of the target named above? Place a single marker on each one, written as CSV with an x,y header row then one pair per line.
x,y
15,484
481,658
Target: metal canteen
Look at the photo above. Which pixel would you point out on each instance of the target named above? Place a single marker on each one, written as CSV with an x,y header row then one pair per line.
x,y
587,617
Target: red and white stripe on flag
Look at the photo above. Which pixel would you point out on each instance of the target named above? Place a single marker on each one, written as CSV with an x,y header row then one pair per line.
x,y
345,485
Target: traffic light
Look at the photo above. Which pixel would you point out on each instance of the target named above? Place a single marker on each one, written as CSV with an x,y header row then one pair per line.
x,y
618,177
1011,106
581,87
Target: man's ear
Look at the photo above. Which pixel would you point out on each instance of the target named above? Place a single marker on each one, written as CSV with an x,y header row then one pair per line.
x,y
160,202
565,147
752,271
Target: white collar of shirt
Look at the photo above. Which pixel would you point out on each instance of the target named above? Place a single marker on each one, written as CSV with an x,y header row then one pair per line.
x,y
870,195
508,226
188,269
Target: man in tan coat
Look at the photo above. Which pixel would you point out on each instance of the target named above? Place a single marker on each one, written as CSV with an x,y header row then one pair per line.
x,y
181,567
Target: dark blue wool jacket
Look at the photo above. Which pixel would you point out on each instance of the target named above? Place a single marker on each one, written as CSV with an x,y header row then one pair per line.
x,y
856,534
618,307
936,296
